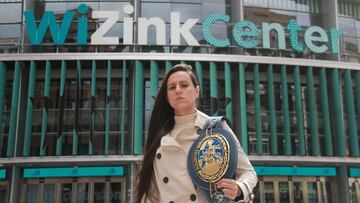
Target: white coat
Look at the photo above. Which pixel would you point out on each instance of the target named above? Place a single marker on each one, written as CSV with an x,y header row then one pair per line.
x,y
173,183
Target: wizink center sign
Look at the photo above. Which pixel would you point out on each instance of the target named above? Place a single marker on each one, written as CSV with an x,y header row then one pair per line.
x,y
244,33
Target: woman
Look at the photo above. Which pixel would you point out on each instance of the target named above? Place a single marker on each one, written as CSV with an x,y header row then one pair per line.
x,y
173,127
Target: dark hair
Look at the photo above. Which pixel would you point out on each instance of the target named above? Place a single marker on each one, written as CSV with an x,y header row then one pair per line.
x,y
161,122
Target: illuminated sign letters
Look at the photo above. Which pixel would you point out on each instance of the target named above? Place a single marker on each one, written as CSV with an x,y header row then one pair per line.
x,y
244,33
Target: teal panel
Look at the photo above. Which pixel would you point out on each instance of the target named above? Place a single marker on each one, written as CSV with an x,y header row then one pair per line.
x,y
315,147
73,172
325,113
258,119
29,110
45,109
243,117
213,90
61,109
92,107
139,108
299,111
154,80
3,70
294,171
228,97
123,106
340,139
107,109
199,73
350,112
355,172
2,173
272,112
14,110
286,120
168,66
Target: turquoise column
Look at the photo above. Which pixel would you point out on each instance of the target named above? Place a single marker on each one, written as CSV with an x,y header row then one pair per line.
x,y
272,112
315,146
199,73
45,109
77,108
29,110
92,107
14,110
61,109
243,117
213,90
168,66
350,112
299,112
325,113
154,80
123,106
286,117
340,139
107,110
228,97
139,107
258,119
3,70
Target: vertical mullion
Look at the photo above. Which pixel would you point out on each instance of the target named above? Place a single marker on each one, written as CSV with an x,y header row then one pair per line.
x,y
107,110
243,117
299,111
139,107
286,117
199,73
29,111
123,106
92,107
228,97
3,70
357,84
272,113
61,109
325,113
315,147
77,108
213,90
45,109
259,148
350,112
14,111
168,66
154,80
338,113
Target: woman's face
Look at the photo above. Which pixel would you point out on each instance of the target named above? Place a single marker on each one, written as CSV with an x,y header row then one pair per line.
x,y
182,93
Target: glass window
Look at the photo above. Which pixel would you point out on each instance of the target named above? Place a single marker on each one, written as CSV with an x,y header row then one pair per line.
x,y
99,192
284,192
66,191
9,34
269,192
115,193
162,10
82,193
32,193
49,193
10,13
187,11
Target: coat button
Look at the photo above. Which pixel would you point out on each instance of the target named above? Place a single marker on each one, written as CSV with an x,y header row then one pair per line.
x,y
158,155
192,197
199,131
165,179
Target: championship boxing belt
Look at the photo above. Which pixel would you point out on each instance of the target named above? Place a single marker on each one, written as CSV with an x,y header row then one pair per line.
x,y
212,156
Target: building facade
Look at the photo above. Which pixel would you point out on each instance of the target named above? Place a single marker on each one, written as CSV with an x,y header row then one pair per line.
x,y
78,80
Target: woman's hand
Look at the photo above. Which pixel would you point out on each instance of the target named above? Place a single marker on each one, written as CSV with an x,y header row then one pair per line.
x,y
229,187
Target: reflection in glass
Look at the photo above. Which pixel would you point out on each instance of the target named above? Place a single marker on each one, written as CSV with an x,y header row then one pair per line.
x,y
3,193
269,192
284,192
10,12
115,193
66,191
49,193
312,192
32,193
298,192
99,192
82,193
352,192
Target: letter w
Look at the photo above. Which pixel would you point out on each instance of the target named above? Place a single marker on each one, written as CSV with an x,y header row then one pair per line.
x,y
48,20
